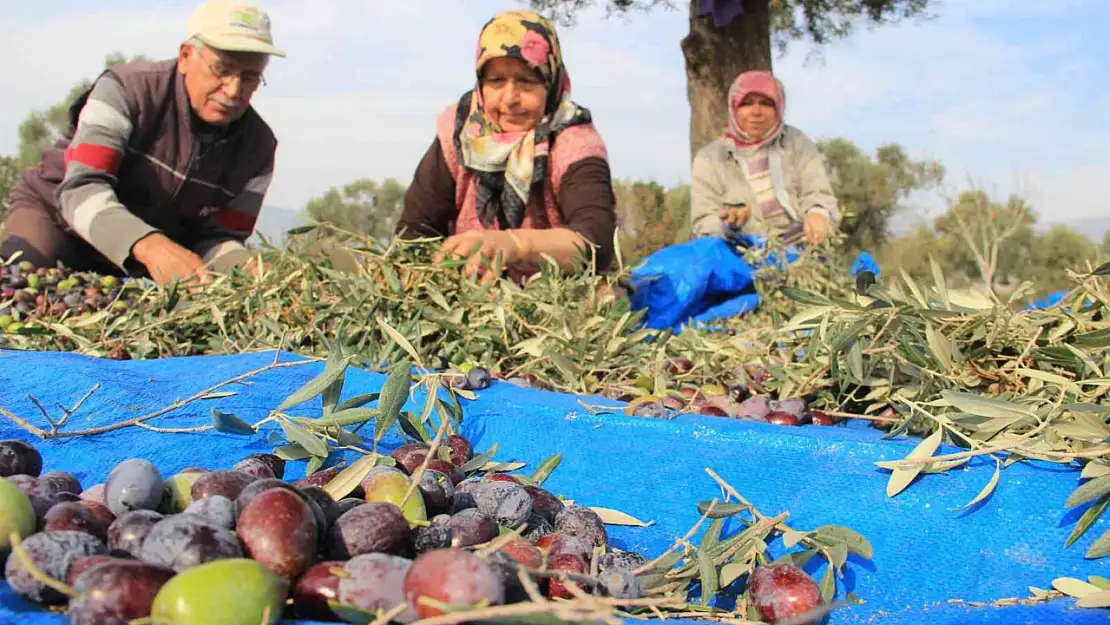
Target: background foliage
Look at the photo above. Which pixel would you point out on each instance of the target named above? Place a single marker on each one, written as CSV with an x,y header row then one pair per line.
x,y
978,240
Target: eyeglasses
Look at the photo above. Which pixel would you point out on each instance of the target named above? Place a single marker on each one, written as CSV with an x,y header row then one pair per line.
x,y
247,79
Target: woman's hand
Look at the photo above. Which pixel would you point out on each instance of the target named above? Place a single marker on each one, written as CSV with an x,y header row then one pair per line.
x,y
488,252
816,226
734,217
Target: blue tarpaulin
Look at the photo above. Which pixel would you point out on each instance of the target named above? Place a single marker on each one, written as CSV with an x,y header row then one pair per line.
x,y
927,554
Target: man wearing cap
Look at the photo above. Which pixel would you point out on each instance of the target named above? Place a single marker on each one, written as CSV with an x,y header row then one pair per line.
x,y
165,165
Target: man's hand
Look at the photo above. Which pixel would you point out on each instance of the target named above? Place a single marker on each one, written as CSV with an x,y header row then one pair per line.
x,y
489,252
816,226
734,216
166,260
256,267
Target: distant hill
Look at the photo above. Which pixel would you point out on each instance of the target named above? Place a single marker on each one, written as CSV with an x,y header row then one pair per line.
x,y
276,220
1094,227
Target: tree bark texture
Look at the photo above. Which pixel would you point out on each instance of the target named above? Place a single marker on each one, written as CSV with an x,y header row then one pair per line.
x,y
715,57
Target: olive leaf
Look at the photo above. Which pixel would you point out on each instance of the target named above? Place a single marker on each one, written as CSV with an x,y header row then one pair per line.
x,y
984,406
331,373
544,470
616,517
349,478
988,489
1100,548
291,453
228,423
297,434
1089,491
1099,599
479,461
347,416
1088,519
1074,587
357,401
707,574
332,392
854,541
900,478
395,393
722,510
400,340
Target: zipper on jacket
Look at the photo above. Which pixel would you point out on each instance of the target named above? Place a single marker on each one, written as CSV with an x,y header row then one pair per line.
x,y
188,169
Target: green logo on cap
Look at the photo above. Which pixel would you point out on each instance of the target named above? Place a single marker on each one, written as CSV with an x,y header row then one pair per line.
x,y
248,18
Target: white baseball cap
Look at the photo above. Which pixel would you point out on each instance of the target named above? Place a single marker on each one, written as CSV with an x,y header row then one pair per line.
x,y
234,27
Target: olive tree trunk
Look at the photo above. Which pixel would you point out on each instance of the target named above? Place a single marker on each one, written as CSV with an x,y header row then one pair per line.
x,y
715,57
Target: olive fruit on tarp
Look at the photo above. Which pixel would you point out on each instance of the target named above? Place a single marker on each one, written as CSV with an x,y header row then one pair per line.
x,y
431,538
564,544
72,516
437,491
619,583
524,552
16,515
217,509
409,457
755,407
84,563
779,417
54,483
782,592
186,540
544,503
375,581
584,523
450,470
278,529
461,449
324,508
53,553
100,511
202,595
19,458
564,562
225,483
454,577
369,528
471,527
133,484
795,406
319,478
621,560
253,468
127,532
387,484
116,592
507,502
179,491
94,493
315,588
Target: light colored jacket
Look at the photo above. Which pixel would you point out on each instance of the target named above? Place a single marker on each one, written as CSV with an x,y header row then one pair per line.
x,y
798,174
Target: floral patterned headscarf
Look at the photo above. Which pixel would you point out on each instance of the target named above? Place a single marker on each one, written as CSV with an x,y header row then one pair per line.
x,y
507,164
766,85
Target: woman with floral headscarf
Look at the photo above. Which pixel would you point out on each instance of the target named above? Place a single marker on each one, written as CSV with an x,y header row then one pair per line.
x,y
516,170
762,176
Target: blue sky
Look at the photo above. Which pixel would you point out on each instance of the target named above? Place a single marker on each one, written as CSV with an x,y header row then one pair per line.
x,y
1009,95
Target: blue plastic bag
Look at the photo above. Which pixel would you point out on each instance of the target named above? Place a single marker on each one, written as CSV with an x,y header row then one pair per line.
x,y
704,280
686,280
864,262
1048,301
